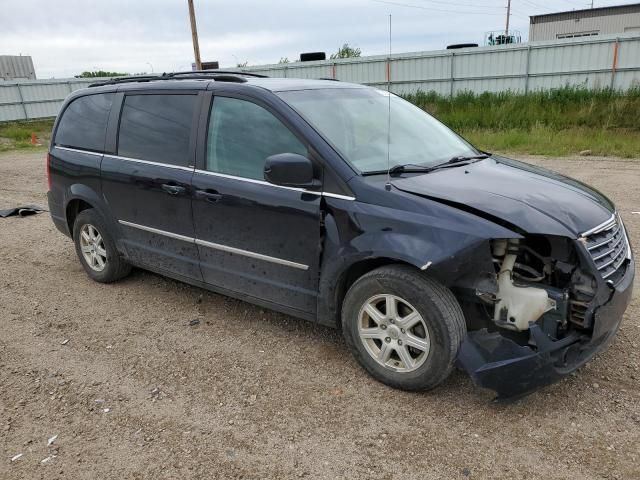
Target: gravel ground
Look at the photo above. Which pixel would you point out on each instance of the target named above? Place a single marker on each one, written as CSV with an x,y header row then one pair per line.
x,y
132,390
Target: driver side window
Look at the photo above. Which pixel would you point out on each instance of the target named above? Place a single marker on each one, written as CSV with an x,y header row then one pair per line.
x,y
242,135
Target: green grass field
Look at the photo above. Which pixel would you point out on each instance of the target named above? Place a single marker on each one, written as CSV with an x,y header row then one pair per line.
x,y
17,135
555,123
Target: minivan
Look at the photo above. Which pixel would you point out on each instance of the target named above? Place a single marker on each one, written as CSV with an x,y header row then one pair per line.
x,y
348,206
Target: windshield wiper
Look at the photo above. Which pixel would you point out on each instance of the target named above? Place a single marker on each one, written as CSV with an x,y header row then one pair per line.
x,y
408,168
464,158
412,168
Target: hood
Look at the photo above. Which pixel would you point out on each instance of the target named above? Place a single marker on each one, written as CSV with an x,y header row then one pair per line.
x,y
532,198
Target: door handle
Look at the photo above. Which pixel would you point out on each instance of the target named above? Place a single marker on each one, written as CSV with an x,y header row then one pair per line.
x,y
172,189
209,195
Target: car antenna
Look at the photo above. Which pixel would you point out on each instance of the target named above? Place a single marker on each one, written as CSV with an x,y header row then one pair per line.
x,y
388,185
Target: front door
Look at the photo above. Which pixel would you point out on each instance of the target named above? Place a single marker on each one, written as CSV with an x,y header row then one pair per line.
x,y
254,238
148,183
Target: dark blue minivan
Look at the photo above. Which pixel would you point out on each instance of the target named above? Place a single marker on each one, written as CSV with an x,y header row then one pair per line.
x,y
348,206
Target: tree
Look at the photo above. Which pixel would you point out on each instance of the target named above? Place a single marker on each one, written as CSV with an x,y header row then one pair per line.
x,y
346,52
100,73
284,60
242,65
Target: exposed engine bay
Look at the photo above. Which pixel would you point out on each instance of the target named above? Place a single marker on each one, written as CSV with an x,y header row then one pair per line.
x,y
539,281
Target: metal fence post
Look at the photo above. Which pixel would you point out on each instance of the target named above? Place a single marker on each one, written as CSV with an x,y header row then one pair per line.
x,y
388,72
24,106
451,89
614,66
70,87
526,73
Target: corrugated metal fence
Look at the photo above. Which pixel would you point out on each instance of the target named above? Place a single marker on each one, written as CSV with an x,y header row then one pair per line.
x,y
602,62
21,100
599,63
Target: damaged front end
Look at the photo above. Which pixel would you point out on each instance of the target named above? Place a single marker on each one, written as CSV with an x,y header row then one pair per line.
x,y
553,303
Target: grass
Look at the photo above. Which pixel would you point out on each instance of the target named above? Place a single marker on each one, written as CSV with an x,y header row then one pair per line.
x,y
17,135
556,123
548,141
560,122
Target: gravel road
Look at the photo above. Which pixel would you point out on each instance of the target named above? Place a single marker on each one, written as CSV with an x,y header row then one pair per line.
x,y
133,390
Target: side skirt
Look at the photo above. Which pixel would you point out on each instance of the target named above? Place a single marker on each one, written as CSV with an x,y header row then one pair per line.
x,y
230,293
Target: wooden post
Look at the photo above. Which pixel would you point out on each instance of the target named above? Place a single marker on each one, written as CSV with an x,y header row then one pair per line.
x,y
194,35
506,31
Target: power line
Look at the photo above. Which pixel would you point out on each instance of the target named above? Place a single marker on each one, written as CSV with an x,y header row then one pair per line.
x,y
536,5
463,4
431,9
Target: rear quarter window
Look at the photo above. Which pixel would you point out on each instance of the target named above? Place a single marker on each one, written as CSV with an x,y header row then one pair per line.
x,y
84,122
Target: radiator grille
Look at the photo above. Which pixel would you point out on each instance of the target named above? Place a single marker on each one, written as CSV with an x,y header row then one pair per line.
x,y
609,248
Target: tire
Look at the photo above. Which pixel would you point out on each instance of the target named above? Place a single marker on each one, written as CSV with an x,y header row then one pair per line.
x,y
431,344
100,258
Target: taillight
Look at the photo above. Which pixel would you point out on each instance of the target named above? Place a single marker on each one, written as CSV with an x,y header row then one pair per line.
x,y
49,170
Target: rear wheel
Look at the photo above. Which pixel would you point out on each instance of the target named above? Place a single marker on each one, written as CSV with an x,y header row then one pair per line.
x,y
403,328
96,248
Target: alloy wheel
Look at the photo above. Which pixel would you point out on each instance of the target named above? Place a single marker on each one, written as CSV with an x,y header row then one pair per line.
x,y
394,333
92,247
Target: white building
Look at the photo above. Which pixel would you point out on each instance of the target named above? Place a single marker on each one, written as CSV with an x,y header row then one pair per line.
x,y
16,67
619,19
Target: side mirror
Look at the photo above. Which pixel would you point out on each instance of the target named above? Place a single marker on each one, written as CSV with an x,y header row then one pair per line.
x,y
289,170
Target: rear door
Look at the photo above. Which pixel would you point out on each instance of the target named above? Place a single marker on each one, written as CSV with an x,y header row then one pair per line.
x,y
147,183
254,238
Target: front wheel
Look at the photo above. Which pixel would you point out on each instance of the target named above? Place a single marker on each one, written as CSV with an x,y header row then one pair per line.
x,y
96,248
403,328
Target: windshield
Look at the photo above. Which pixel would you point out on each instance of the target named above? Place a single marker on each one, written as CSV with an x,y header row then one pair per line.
x,y
355,121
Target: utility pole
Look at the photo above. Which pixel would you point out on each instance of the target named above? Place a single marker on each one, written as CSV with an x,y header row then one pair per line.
x,y
506,31
194,35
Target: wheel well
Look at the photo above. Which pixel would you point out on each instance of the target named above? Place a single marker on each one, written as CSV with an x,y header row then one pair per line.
x,y
353,273
73,209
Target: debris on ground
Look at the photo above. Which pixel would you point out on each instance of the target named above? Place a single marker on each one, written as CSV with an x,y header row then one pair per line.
x,y
16,457
21,211
51,440
195,321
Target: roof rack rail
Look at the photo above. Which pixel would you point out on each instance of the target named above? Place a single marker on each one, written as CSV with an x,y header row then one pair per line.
x,y
132,78
330,79
217,72
217,75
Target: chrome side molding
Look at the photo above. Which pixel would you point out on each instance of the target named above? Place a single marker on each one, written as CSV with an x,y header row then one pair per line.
x,y
216,246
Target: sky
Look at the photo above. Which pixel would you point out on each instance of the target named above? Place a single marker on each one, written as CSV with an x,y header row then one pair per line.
x,y
67,37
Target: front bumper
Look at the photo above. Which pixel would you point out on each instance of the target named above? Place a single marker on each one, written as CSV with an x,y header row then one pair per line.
x,y
513,370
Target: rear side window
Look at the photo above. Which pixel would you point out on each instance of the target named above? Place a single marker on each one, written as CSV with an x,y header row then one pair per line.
x,y
84,122
241,137
156,128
